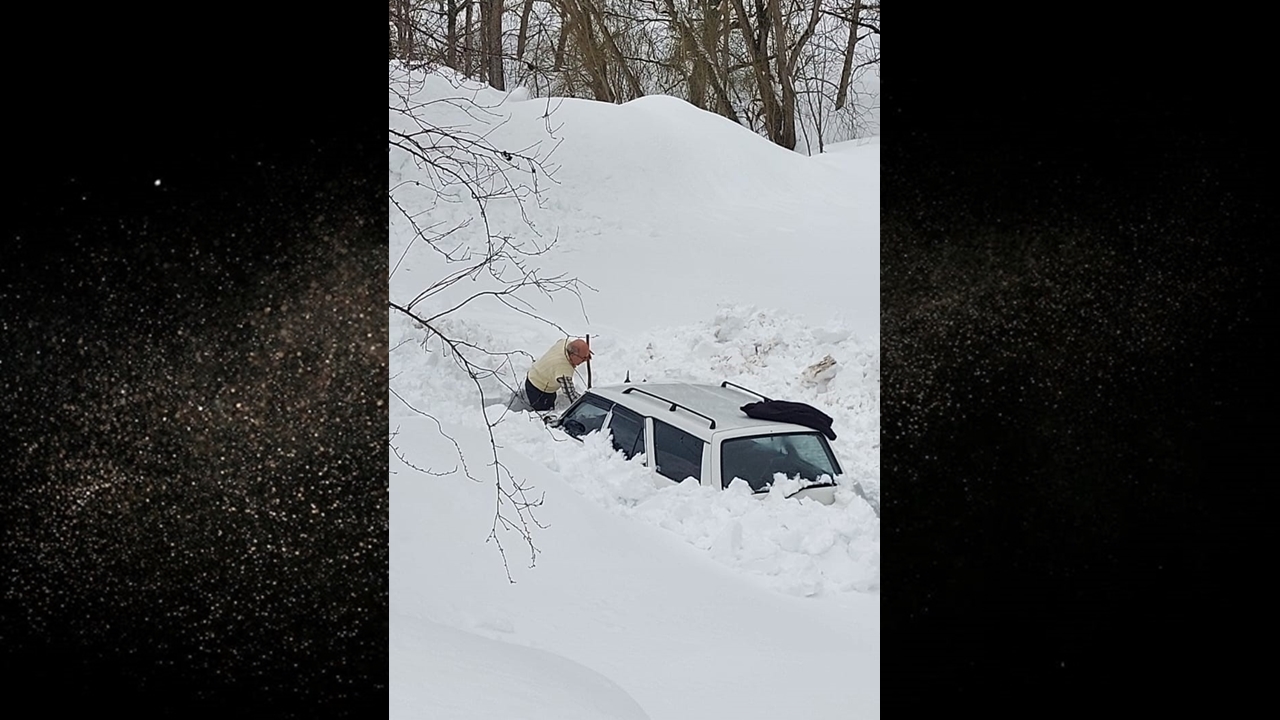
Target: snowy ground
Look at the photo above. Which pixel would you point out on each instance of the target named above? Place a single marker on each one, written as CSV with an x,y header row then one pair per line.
x,y
710,255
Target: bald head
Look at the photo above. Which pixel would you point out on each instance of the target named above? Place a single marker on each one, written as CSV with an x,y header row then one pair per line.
x,y
579,351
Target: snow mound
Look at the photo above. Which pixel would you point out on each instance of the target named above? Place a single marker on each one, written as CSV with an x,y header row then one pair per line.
x,y
466,676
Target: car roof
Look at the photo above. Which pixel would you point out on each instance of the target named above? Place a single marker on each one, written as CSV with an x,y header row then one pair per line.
x,y
721,404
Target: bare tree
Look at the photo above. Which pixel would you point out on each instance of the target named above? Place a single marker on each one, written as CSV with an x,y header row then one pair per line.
x,y
491,18
468,41
522,34
451,162
451,31
702,53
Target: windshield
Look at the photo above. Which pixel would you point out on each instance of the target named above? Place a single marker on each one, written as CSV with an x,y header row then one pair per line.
x,y
756,459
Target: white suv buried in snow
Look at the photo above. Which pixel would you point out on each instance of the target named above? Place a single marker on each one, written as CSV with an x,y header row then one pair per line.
x,y
700,431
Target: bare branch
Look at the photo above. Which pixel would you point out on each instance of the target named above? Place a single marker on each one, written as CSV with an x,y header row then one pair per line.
x,y
448,164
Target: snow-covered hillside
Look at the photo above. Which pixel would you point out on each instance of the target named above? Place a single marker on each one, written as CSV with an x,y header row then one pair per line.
x,y
707,254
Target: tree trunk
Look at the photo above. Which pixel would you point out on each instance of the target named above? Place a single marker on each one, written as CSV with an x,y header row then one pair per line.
x,y
451,35
726,26
522,35
758,49
713,20
762,27
701,72
560,43
468,43
492,19
785,120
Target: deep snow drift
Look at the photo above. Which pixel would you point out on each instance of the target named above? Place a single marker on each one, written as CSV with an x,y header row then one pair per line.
x,y
710,255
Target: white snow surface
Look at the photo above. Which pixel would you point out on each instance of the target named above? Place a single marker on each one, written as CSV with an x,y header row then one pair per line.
x,y
711,255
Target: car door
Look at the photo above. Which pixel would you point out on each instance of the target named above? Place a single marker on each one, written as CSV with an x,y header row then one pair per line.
x,y
627,429
677,455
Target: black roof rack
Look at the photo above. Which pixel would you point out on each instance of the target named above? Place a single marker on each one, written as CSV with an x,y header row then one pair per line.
x,y
726,383
674,404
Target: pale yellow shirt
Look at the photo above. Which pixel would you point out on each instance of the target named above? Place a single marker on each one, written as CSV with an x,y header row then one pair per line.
x,y
552,366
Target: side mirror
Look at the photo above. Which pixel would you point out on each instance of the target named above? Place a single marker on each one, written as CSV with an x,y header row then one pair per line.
x,y
574,428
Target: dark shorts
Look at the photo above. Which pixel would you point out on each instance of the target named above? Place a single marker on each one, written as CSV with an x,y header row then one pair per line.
x,y
538,400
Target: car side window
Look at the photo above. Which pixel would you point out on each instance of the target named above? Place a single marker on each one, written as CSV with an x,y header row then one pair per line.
x,y
755,459
585,417
627,428
751,459
677,454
